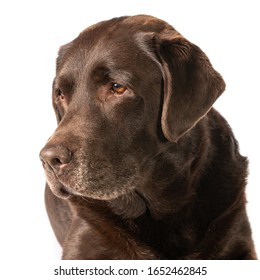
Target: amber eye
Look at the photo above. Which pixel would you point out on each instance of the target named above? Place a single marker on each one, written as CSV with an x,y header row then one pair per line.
x,y
117,88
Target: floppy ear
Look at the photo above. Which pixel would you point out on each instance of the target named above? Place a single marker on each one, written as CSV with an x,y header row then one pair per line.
x,y
63,50
191,85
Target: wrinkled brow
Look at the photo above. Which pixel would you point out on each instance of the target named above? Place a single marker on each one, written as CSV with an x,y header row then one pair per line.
x,y
103,72
122,76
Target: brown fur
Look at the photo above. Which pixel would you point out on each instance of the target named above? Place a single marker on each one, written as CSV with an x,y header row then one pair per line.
x,y
150,171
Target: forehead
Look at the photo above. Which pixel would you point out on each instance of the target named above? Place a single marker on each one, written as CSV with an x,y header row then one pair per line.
x,y
111,43
98,45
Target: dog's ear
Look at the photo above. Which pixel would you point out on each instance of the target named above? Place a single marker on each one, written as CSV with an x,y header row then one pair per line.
x,y
191,85
63,50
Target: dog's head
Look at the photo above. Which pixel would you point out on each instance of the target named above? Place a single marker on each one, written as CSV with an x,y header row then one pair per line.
x,y
124,89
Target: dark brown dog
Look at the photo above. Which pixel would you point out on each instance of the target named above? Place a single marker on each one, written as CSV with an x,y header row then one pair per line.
x,y
141,166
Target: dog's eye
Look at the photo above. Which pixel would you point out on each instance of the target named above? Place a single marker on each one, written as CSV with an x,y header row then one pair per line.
x,y
59,94
117,88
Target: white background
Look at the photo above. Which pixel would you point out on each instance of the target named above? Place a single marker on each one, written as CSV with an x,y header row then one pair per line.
x,y
31,33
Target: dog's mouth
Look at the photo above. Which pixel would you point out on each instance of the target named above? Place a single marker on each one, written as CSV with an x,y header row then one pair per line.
x,y
57,187
94,179
60,190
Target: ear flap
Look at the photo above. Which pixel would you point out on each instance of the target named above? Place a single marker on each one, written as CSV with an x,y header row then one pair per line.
x,y
191,85
63,50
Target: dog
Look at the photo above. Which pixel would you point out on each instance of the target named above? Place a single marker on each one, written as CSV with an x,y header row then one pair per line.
x,y
141,166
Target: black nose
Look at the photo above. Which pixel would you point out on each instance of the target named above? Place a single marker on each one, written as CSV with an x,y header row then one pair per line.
x,y
55,157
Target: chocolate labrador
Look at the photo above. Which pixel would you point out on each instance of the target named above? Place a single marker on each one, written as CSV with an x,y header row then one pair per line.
x,y
141,166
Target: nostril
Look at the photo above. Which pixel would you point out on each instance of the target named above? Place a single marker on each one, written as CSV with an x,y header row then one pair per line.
x,y
55,162
56,157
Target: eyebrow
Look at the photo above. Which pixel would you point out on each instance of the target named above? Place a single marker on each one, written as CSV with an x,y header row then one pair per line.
x,y
123,76
104,72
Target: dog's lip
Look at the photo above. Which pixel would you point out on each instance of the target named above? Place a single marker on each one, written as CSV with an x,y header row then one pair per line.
x,y
56,186
60,190
64,193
